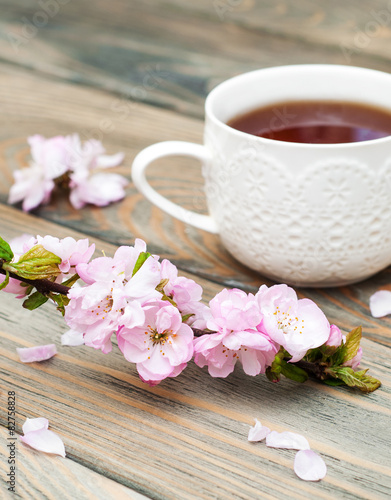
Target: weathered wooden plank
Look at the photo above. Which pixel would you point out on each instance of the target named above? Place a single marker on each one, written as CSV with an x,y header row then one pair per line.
x,y
171,53
187,437
45,476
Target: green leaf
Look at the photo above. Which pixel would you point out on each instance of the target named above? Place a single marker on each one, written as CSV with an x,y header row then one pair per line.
x,y
333,382
357,379
5,251
185,317
338,357
34,301
71,281
161,285
37,263
60,300
6,281
140,261
293,372
352,343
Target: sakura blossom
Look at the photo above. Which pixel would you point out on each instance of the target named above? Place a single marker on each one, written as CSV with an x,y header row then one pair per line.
x,y
235,317
161,346
36,353
355,361
297,325
37,435
186,294
88,184
70,251
65,160
111,294
335,337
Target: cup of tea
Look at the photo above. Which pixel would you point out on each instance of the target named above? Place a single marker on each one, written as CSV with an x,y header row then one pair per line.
x,y
297,168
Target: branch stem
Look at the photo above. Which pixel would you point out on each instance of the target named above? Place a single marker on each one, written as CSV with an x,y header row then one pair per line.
x,y
42,286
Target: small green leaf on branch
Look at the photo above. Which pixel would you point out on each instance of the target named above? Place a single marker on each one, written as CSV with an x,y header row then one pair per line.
x,y
71,281
34,301
293,372
357,379
37,263
60,300
140,261
5,251
352,343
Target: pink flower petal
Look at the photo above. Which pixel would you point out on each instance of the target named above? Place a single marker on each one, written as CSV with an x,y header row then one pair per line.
x,y
108,161
309,466
36,353
380,303
289,440
35,424
44,440
258,432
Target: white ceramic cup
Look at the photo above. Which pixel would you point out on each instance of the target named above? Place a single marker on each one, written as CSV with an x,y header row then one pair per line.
x,y
303,214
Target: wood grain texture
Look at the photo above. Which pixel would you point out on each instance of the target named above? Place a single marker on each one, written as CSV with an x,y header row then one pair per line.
x,y
35,478
171,53
132,73
187,437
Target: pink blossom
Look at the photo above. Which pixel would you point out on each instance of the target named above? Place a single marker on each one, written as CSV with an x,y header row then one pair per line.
x,y
87,184
335,337
111,294
99,189
161,346
38,436
50,160
297,325
31,186
354,362
53,154
70,251
186,293
235,317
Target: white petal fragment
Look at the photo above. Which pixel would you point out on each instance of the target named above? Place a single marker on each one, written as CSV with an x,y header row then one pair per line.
x,y
72,338
36,353
258,432
309,466
37,435
380,303
289,440
35,424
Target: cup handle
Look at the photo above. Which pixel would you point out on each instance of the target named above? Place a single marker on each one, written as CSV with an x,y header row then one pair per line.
x,y
160,150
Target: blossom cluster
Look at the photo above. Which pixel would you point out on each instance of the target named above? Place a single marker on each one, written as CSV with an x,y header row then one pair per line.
x,y
64,161
153,313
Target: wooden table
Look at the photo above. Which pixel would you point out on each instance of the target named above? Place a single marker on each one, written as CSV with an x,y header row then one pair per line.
x,y
145,68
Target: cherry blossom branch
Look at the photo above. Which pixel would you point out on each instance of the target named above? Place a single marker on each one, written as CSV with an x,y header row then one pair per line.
x,y
43,286
152,310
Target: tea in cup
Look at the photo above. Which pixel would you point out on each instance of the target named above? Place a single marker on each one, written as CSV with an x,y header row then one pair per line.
x,y
297,168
